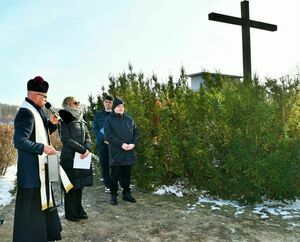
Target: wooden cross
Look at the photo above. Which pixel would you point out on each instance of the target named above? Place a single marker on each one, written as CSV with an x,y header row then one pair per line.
x,y
246,23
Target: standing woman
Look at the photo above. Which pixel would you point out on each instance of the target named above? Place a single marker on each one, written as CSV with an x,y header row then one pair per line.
x,y
75,137
122,135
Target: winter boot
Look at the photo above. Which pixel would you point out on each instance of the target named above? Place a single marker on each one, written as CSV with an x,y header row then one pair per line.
x,y
127,197
113,199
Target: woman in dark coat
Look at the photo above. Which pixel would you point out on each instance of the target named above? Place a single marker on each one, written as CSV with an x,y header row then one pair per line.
x,y
122,135
75,137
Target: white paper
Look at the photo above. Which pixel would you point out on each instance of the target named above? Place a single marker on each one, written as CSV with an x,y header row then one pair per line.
x,y
82,163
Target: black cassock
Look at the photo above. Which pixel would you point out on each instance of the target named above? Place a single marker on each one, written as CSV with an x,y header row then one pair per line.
x,y
30,223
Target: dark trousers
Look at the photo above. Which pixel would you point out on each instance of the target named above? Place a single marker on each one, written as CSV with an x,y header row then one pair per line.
x,y
73,204
120,174
31,224
104,163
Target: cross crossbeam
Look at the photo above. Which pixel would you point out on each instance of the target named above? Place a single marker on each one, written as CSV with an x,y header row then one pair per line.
x,y
246,23
238,21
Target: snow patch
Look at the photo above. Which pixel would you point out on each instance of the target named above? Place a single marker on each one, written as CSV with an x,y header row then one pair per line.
x,y
287,211
178,189
290,210
169,189
7,184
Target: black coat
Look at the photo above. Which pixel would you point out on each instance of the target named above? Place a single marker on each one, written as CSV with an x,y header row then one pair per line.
x,y
118,130
28,148
75,137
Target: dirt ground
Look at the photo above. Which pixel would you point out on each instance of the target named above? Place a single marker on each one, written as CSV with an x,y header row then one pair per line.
x,y
160,218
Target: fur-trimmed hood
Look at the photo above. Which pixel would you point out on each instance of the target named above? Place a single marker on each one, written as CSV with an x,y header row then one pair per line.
x,y
66,116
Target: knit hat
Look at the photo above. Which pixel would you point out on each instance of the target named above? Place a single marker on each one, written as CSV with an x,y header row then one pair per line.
x,y
37,84
117,102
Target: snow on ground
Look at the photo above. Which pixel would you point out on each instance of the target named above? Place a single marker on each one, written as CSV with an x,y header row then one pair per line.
x,y
169,189
288,211
177,189
7,184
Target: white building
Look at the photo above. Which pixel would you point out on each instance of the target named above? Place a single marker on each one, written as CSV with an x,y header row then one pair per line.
x,y
197,79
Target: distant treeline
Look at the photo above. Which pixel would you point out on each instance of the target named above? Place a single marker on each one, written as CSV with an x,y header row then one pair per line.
x,y
7,112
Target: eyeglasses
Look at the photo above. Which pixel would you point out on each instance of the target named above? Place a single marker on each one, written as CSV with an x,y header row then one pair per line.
x,y
76,103
44,96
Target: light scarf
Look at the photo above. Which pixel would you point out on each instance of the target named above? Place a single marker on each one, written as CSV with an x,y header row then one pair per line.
x,y
76,113
41,136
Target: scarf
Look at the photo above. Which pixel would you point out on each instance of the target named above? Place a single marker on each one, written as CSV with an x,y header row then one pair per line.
x,y
41,136
76,113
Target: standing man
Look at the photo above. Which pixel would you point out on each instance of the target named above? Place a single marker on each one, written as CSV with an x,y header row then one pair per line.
x,y
34,220
122,136
101,143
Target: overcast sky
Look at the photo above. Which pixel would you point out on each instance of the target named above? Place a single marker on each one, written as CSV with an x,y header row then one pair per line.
x,y
75,45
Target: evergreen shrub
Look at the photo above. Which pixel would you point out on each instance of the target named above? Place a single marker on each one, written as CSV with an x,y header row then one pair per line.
x,y
235,140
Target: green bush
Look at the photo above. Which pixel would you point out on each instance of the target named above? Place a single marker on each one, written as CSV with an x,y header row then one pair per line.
x,y
236,140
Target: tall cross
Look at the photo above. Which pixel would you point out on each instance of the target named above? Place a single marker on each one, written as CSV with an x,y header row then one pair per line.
x,y
246,23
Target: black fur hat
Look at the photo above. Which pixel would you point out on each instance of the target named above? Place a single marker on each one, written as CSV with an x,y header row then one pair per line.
x,y
37,84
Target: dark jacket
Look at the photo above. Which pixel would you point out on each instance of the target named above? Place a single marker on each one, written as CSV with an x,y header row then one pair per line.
x,y
28,149
75,137
118,130
98,125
